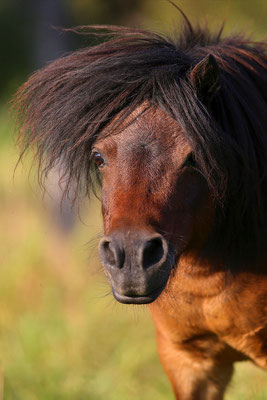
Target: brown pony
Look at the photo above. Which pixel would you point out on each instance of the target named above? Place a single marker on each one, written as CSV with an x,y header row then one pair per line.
x,y
175,131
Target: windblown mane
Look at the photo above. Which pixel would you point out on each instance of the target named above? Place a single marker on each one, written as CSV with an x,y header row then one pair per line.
x,y
63,107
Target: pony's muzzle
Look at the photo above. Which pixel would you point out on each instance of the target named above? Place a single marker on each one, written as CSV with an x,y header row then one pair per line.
x,y
137,265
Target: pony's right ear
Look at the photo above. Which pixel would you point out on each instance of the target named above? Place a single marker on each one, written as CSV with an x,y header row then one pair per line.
x,y
205,78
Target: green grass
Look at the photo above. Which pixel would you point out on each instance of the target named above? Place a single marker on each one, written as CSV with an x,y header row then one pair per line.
x,y
62,336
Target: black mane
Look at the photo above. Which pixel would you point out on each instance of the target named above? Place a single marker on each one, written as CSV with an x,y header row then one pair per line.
x,y
62,109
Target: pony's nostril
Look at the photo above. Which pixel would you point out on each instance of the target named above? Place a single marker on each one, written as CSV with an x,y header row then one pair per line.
x,y
153,252
108,253
111,254
141,251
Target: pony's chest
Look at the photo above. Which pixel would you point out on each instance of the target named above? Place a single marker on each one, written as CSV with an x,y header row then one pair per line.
x,y
209,310
182,313
193,304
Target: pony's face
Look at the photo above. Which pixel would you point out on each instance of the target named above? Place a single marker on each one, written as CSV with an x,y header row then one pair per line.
x,y
153,203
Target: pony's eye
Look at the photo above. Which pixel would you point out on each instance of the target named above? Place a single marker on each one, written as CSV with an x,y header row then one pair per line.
x,y
98,159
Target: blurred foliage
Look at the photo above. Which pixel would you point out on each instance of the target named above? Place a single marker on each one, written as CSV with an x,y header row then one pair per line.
x,y
14,45
104,12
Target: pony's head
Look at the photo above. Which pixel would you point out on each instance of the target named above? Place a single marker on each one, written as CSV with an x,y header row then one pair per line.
x,y
154,202
181,153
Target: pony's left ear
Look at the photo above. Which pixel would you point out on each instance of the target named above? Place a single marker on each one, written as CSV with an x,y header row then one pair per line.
x,y
205,78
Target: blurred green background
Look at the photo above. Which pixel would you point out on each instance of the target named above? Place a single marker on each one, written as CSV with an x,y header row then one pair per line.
x,y
62,336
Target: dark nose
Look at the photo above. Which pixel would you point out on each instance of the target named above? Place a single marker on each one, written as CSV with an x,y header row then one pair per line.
x,y
135,264
135,250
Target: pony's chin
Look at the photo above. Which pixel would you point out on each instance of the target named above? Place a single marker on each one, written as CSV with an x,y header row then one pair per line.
x,y
146,299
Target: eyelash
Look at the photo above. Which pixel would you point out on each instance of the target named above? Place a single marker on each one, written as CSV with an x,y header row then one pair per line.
x,y
98,159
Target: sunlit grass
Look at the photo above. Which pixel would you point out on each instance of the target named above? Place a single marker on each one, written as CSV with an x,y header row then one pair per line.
x,y
62,336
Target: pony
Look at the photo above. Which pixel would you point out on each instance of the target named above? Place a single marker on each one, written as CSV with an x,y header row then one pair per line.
x,y
173,129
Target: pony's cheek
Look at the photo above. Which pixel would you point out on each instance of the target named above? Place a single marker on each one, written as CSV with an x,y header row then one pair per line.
x,y
191,211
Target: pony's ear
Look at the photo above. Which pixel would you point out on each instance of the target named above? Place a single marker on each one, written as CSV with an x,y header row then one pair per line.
x,y
205,77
